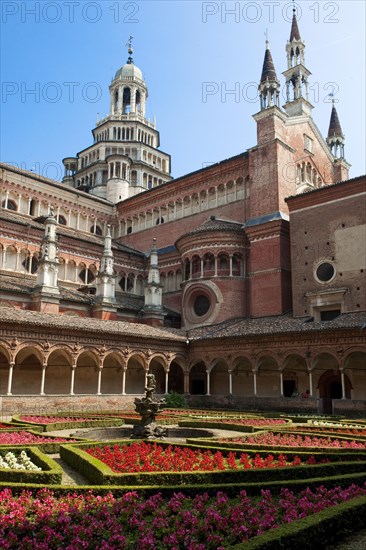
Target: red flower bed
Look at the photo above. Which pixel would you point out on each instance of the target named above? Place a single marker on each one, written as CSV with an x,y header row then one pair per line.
x,y
4,426
23,438
52,419
151,457
292,440
47,521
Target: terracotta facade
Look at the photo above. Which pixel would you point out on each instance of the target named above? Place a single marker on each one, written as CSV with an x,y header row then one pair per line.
x,y
258,289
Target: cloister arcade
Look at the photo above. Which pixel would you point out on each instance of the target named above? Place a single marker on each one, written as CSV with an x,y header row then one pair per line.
x,y
218,264
180,207
32,369
69,216
322,373
88,371
23,260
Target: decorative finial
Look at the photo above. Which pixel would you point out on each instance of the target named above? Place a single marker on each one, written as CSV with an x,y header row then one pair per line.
x,y
130,50
294,7
267,41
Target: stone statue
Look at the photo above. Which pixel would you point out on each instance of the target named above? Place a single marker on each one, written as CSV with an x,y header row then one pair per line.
x,y
150,386
148,407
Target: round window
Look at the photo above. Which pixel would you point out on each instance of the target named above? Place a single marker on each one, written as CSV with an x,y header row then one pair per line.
x,y
325,272
201,305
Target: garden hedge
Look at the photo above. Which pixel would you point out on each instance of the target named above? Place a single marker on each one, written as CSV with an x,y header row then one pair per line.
x,y
206,424
92,423
231,489
100,474
316,531
51,447
334,454
51,472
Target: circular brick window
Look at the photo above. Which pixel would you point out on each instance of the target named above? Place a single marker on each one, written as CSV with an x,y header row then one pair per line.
x,y
201,305
325,272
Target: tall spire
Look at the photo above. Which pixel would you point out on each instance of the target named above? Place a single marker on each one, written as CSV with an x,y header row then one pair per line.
x,y
46,294
106,279
297,75
335,137
268,70
295,33
153,310
335,129
269,86
48,263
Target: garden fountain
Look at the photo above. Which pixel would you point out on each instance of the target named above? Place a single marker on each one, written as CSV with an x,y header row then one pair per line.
x,y
148,407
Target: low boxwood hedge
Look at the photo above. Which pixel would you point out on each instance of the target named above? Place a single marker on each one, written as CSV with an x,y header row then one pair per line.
x,y
11,427
50,447
51,472
223,425
231,489
99,473
335,454
245,447
92,423
316,531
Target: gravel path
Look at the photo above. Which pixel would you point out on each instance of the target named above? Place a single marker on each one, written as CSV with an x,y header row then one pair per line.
x,y
70,476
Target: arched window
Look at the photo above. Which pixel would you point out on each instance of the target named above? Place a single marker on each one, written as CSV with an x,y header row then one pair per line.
x,y
208,264
187,269
97,230
61,220
224,265
126,100
138,101
126,283
196,266
159,221
30,264
10,205
86,276
32,207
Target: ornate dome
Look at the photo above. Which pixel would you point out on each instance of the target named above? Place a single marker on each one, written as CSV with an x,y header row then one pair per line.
x,y
129,70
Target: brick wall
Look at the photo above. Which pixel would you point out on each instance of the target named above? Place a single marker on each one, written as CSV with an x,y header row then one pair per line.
x,y
334,231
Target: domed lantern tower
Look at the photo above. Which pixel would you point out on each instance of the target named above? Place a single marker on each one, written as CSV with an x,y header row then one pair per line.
x,y
124,158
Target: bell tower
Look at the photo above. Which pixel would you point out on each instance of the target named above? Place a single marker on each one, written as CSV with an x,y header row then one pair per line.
x,y
125,158
297,75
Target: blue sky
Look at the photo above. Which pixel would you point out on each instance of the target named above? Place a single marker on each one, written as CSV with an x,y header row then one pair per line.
x,y
58,58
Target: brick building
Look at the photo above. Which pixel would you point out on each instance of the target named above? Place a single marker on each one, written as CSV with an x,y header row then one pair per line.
x,y
240,284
